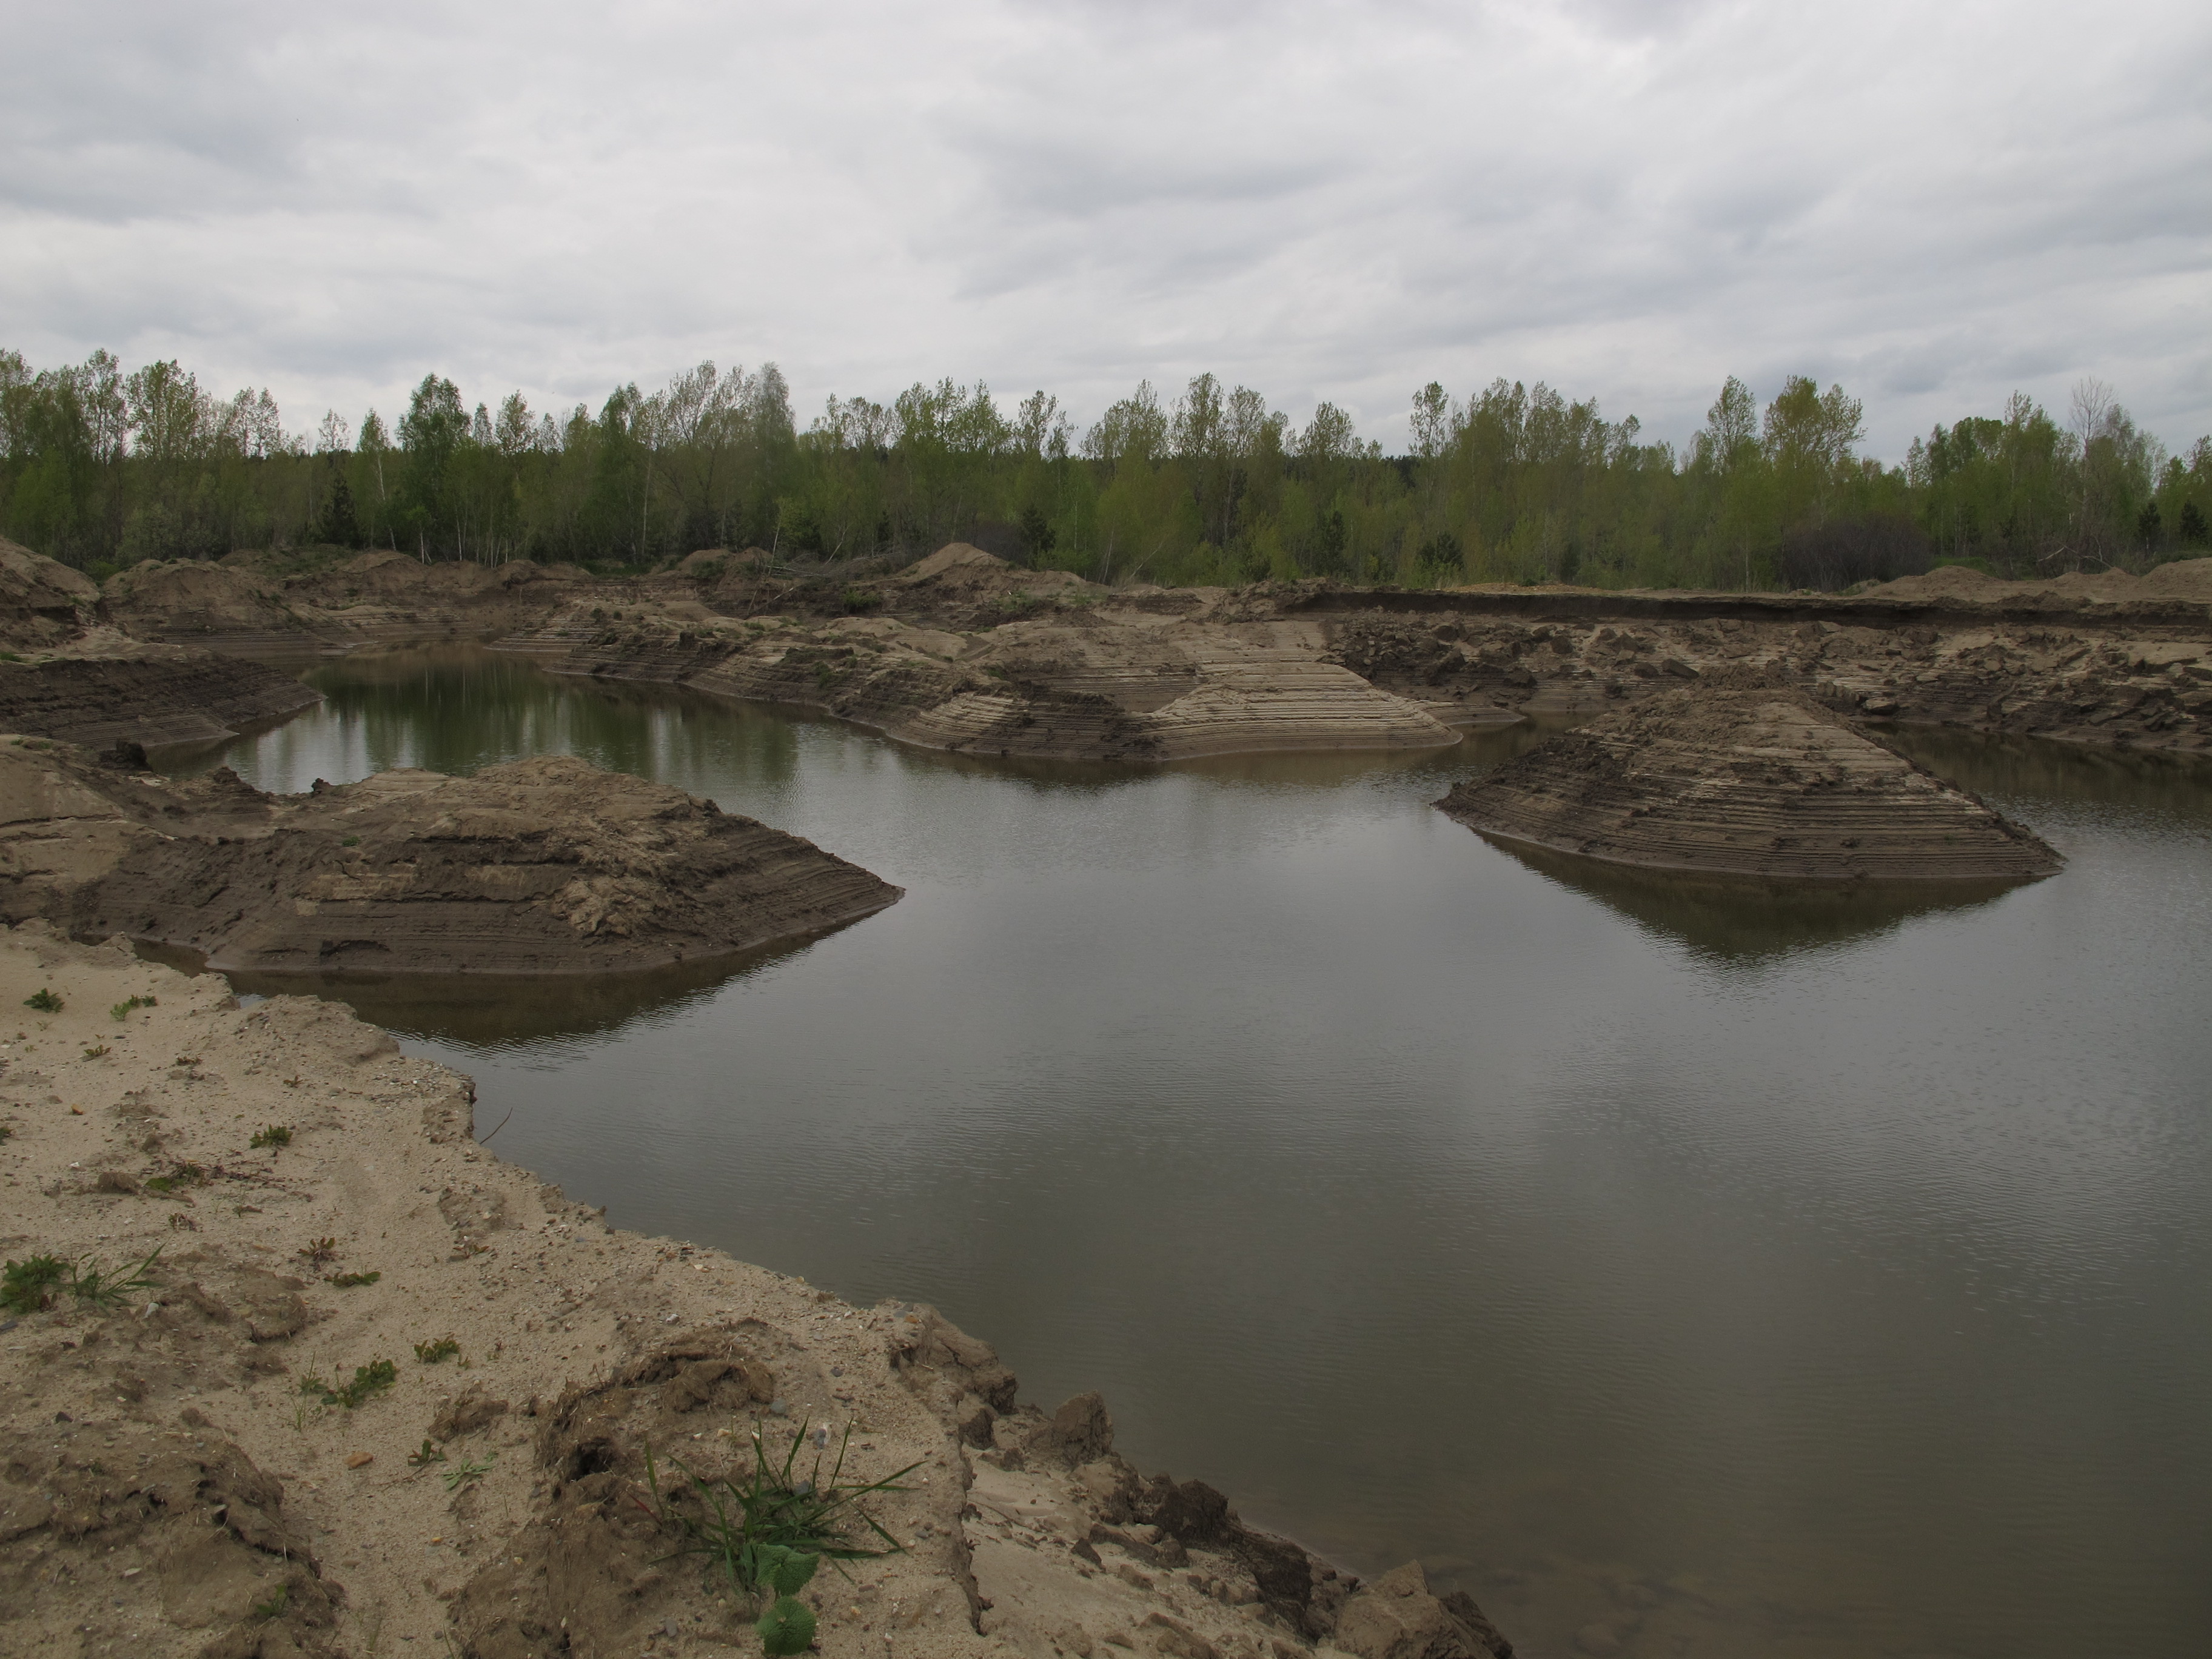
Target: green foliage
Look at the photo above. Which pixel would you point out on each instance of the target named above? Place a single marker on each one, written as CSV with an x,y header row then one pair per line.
x,y
180,1175
369,1381
276,1135
463,1473
44,1000
767,1531
432,1452
351,1281
787,1627
34,1283
122,1010
317,1251
103,468
263,1612
430,1353
28,1285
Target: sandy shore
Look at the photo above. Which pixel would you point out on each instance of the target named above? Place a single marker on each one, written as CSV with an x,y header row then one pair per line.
x,y
172,1490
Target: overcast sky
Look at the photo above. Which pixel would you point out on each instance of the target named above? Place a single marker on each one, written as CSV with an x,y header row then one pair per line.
x,y
1933,204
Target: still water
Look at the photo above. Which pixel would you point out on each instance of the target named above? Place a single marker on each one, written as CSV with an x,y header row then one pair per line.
x,y
1746,1278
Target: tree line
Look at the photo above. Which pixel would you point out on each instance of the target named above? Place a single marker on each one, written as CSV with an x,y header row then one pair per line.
x,y
102,468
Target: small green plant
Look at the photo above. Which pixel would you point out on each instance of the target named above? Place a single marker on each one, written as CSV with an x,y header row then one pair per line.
x,y
369,1381
274,1607
11,656
858,599
317,1251
44,1000
122,1010
770,1532
462,1474
28,1285
432,1452
180,1175
431,1352
824,676
349,1281
106,1286
276,1134
350,841
96,1051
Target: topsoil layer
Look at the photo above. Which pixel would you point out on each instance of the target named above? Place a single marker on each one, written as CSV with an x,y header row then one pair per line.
x,y
1745,778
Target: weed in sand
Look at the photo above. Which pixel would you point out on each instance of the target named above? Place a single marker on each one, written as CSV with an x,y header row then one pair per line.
x,y
369,1381
463,1473
44,1000
349,1281
431,1352
276,1134
31,1284
122,1010
317,1251
432,1452
105,1286
274,1607
96,1051
769,1532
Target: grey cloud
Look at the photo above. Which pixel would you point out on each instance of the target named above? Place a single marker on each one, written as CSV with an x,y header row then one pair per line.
x,y
1629,200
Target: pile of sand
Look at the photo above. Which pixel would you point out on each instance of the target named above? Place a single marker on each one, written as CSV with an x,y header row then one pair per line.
x,y
541,865
1738,777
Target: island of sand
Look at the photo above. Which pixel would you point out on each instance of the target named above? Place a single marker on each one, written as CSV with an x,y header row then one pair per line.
x,y
1741,776
365,1389
541,865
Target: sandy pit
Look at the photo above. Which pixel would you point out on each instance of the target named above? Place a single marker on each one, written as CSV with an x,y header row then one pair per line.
x,y
359,1386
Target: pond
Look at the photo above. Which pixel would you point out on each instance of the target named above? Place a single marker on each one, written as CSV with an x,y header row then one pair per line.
x,y
1743,1276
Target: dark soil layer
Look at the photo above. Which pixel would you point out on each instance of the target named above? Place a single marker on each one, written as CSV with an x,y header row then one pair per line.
x,y
188,698
1741,778
541,865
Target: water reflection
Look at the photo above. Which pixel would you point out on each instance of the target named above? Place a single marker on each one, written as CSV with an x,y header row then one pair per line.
x,y
1740,921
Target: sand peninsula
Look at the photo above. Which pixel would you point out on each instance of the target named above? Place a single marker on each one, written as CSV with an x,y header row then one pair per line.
x,y
541,865
1742,776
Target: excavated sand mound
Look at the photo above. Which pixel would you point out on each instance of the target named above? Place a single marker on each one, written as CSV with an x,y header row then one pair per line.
x,y
541,865
1745,778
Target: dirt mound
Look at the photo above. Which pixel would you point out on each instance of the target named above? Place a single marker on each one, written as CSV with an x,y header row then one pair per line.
x,y
2182,579
177,600
1950,581
39,597
542,865
1741,777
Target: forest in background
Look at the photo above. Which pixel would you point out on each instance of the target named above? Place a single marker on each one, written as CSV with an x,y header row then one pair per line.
x,y
102,468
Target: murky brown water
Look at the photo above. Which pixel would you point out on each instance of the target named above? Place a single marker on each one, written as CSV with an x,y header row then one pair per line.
x,y
1746,1276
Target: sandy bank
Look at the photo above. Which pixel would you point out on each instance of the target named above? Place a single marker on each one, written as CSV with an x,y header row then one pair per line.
x,y
177,1487
1744,777
540,866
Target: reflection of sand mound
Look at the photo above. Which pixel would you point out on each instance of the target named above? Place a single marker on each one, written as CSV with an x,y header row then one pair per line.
x,y
1732,918
1739,778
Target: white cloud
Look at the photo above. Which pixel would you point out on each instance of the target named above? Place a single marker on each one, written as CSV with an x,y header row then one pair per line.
x,y
1934,205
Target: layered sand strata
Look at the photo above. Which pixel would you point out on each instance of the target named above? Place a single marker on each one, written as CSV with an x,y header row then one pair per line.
x,y
540,866
1745,778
